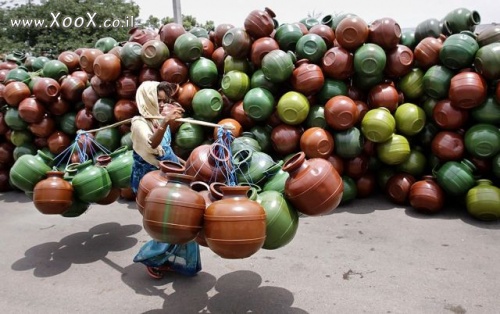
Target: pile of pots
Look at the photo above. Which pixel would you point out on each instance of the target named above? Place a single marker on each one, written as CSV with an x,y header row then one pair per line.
x,y
413,114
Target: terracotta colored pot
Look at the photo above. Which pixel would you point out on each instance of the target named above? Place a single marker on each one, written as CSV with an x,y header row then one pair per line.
x,y
341,113
398,187
338,63
15,92
314,187
208,163
385,32
235,226
399,61
449,117
70,58
169,33
54,195
107,67
467,90
87,59
366,184
448,145
352,32
286,138
426,53
72,88
383,95
125,109
31,110
307,78
316,142
427,196
126,86
174,213
174,70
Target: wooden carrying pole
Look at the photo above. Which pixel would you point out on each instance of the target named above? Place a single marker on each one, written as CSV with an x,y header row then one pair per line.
x,y
185,120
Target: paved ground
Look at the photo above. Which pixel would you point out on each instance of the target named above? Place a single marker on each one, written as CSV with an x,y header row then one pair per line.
x,y
367,257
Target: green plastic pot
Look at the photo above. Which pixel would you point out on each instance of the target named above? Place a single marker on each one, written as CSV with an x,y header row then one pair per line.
x,y
458,50
120,167
412,84
91,183
207,104
487,61
311,47
483,201
258,104
350,190
188,47
410,119
436,81
293,108
278,65
456,178
28,170
394,151
488,112
55,69
348,143
378,125
482,140
235,84
203,72
369,60
189,136
282,220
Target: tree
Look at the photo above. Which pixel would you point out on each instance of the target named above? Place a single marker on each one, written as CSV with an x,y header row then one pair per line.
x,y
67,25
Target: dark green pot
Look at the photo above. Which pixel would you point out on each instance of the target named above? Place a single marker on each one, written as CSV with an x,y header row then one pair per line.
x,y
278,65
108,138
126,140
488,112
436,81
67,123
415,163
412,84
13,120
408,39
130,55
103,110
496,165
259,104
251,166
17,74
91,183
76,209
39,62
427,28
55,69
456,178
258,79
282,220
487,61
22,137
369,60
348,143
188,47
24,149
262,133
189,136
154,53
28,170
309,22
458,50
428,105
316,117
199,32
207,104
331,88
287,36
311,47
482,140
233,64
235,84
276,182
246,141
120,167
203,72
461,19
105,44
350,190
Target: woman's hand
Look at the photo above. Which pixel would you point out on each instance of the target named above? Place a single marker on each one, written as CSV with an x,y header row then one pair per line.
x,y
171,113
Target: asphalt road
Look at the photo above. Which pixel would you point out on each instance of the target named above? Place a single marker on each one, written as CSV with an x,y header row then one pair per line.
x,y
367,257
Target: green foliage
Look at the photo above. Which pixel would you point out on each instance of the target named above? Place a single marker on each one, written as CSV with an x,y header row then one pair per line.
x,y
72,24
68,24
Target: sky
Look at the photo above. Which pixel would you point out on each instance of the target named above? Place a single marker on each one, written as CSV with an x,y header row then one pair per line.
x,y
408,13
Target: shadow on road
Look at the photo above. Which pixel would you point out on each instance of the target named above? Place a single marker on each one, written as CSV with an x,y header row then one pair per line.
x,y
15,196
236,292
53,258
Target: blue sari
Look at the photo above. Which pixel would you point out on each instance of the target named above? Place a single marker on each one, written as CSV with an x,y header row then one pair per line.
x,y
182,258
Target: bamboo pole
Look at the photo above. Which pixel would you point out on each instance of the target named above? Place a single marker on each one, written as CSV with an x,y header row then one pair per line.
x,y
185,120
